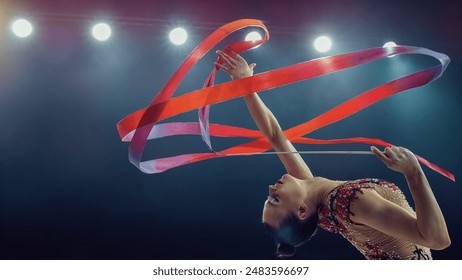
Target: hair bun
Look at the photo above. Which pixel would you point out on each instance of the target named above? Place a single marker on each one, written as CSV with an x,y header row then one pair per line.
x,y
285,250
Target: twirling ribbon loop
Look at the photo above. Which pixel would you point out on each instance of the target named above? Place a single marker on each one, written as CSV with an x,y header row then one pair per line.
x,y
140,126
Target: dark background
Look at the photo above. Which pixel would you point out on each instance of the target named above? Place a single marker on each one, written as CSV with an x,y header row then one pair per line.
x,y
68,191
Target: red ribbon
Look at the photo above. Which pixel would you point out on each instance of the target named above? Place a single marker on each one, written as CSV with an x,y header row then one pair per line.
x,y
141,125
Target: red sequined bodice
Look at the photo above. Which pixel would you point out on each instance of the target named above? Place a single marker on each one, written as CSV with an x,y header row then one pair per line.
x,y
335,215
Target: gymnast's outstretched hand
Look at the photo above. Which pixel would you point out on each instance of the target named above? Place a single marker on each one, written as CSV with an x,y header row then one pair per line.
x,y
398,159
235,65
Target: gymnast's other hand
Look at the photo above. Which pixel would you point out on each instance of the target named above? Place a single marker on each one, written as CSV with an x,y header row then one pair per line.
x,y
398,159
235,65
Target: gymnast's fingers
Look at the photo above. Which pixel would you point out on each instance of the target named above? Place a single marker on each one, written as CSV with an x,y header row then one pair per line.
x,y
237,56
222,67
226,58
380,155
223,57
389,152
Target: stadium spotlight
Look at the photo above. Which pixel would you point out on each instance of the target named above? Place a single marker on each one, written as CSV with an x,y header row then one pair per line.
x,y
21,28
389,44
322,44
178,36
253,36
101,31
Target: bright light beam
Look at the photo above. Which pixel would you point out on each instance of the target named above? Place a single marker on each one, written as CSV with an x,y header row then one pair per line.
x,y
21,28
101,31
178,36
322,44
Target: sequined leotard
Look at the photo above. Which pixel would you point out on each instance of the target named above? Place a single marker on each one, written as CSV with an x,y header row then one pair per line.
x,y
373,244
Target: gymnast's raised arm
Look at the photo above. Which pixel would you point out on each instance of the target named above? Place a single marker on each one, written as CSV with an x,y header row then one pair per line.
x,y
237,67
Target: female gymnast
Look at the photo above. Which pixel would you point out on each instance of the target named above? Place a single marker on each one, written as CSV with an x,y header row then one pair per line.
x,y
372,214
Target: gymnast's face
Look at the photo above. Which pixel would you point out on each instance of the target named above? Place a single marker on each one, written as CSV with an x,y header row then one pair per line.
x,y
285,197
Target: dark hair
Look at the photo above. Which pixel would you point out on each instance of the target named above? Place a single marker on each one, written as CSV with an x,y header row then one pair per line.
x,y
292,233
